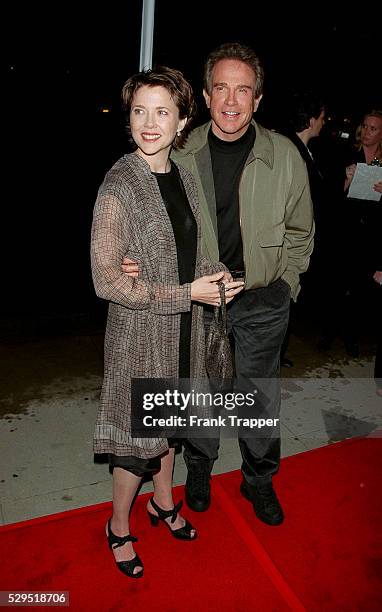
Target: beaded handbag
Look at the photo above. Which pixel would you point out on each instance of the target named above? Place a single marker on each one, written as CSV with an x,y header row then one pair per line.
x,y
219,363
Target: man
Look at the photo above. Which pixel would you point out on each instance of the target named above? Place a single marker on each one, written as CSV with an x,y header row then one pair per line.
x,y
256,217
305,122
306,119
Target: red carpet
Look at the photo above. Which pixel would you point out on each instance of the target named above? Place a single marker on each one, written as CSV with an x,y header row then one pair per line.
x,y
326,556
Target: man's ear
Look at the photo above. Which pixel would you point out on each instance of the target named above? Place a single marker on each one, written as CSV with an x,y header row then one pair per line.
x,y
256,103
207,98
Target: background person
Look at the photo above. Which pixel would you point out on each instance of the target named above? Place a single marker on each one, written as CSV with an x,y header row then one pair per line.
x,y
306,118
377,276
363,222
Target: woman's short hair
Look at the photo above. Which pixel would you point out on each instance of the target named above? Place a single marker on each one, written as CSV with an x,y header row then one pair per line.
x,y
234,51
177,86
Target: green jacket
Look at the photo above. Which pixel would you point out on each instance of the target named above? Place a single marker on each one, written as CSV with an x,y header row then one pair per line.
x,y
275,206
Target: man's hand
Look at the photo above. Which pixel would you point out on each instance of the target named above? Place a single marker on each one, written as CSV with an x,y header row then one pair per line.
x,y
130,267
378,277
378,187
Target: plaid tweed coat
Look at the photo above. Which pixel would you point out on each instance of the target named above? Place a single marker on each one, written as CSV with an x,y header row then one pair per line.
x,y
142,332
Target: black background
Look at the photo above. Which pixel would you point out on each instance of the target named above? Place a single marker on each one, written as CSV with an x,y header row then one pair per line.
x,y
63,64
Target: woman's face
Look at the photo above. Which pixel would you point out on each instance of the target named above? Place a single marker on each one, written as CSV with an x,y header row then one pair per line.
x,y
371,131
154,121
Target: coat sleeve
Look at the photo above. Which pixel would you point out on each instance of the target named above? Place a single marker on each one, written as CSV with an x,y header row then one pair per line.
x,y
299,227
207,267
110,237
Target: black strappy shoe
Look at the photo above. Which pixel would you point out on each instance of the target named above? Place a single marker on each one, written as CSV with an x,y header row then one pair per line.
x,y
183,533
126,567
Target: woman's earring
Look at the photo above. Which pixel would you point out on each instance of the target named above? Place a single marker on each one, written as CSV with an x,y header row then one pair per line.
x,y
178,133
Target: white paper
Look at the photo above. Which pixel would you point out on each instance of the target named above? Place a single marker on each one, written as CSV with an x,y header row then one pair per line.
x,y
363,182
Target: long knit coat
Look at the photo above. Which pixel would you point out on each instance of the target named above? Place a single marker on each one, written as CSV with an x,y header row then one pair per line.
x,y
142,332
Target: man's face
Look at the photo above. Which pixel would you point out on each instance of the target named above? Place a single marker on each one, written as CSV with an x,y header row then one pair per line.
x,y
317,124
231,101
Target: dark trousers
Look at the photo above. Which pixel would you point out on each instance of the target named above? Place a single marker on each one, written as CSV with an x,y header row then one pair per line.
x,y
257,320
378,327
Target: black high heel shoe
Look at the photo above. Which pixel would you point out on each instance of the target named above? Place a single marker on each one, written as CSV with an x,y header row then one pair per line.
x,y
183,533
126,567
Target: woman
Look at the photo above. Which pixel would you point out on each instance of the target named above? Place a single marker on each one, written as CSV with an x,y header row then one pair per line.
x,y
368,147
377,276
362,223
147,210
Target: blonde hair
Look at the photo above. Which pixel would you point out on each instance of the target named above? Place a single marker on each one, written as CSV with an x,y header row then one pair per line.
x,y
358,143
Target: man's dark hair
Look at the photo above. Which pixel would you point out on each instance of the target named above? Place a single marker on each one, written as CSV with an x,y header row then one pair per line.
x,y
234,51
303,107
179,89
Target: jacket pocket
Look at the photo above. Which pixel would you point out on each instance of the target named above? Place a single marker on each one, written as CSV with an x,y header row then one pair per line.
x,y
272,236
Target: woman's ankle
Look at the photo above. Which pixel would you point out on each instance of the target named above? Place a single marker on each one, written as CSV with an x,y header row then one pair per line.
x,y
120,527
164,502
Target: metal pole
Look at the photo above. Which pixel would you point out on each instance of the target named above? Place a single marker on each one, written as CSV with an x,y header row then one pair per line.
x,y
147,34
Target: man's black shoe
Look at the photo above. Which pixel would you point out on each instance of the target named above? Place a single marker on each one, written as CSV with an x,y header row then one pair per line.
x,y
198,495
265,503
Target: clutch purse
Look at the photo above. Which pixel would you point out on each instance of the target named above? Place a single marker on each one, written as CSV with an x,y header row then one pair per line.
x,y
219,363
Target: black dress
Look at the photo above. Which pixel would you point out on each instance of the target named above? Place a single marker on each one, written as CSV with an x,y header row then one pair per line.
x,y
185,234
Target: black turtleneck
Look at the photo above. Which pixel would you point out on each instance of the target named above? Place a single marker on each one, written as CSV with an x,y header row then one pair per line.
x,y
228,161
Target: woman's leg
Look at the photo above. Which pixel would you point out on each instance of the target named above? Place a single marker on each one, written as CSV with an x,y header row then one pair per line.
x,y
125,485
163,490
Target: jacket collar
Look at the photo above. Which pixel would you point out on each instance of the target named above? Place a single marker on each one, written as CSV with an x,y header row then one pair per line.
x,y
262,149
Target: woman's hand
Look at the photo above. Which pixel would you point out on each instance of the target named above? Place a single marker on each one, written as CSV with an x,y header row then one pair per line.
x,y
377,276
349,175
206,290
378,187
